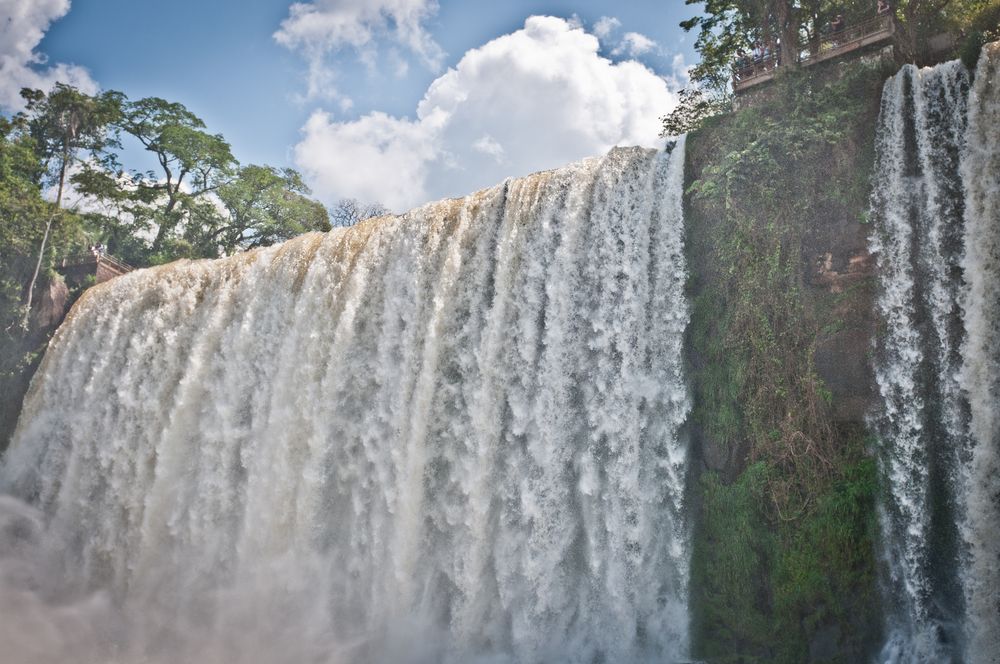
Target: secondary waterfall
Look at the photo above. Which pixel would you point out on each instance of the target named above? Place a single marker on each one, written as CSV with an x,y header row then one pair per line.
x,y
451,435
937,237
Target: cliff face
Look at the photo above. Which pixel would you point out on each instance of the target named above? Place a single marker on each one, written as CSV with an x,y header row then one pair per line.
x,y
22,353
782,289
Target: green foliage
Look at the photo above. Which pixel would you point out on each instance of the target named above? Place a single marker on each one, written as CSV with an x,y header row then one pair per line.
x,y
921,20
65,122
731,553
265,206
757,336
192,162
23,217
21,206
694,106
763,588
782,551
728,27
984,27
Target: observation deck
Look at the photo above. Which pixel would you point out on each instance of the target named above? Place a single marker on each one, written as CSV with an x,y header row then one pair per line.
x,y
101,265
878,30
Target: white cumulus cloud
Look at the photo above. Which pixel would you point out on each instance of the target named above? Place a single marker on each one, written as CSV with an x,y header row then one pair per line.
x,y
634,44
488,145
534,99
322,27
22,25
605,26
377,158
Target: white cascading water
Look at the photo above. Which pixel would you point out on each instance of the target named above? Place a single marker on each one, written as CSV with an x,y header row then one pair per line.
x,y
922,126
452,435
981,367
936,355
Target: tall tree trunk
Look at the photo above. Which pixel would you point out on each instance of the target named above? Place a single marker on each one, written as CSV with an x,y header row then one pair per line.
x,y
41,250
164,226
789,28
905,36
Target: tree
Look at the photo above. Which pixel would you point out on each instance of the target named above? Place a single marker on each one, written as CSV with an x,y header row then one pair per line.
x,y
264,205
121,210
193,162
64,123
23,212
21,208
694,106
726,28
349,211
199,203
917,21
729,27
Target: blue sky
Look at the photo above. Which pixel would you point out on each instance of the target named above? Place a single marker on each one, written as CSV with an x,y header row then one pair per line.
x,y
349,74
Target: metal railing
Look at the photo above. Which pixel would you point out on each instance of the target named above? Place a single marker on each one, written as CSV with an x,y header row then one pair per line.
x,y
758,69
850,37
755,68
95,257
115,263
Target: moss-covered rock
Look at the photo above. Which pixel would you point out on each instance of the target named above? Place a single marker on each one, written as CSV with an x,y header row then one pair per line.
x,y
781,290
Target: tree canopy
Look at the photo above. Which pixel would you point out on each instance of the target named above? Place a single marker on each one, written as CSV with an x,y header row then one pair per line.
x,y
265,205
726,28
198,202
61,124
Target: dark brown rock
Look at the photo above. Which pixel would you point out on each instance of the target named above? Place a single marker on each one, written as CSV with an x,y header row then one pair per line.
x,y
51,306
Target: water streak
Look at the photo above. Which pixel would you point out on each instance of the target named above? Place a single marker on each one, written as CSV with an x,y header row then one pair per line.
x,y
934,242
453,435
981,369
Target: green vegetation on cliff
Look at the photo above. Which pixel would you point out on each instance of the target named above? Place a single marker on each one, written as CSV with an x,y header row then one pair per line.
x,y
784,558
24,216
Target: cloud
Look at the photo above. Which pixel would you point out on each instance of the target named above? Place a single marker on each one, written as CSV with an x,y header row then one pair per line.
x,y
680,76
634,44
377,158
22,25
605,26
486,144
320,28
534,99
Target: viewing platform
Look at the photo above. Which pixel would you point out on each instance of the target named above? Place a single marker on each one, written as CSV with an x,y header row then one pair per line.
x,y
878,30
101,265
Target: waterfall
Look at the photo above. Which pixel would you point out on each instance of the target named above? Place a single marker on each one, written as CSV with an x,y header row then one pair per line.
x,y
935,236
451,435
919,138
981,368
